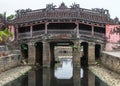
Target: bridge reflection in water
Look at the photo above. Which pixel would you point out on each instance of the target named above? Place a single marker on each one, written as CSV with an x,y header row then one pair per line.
x,y
62,75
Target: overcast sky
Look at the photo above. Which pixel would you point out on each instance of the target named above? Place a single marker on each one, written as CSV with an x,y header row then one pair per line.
x,y
10,6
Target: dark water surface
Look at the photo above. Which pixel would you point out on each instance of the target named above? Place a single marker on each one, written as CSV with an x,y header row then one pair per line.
x,y
62,75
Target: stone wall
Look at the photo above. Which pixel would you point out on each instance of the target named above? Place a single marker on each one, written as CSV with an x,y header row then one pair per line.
x,y
7,62
112,62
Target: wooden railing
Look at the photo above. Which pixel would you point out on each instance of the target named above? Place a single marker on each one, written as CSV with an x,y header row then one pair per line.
x,y
25,35
63,32
60,31
87,35
38,33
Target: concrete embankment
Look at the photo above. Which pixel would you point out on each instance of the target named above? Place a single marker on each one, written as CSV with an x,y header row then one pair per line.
x,y
13,74
109,77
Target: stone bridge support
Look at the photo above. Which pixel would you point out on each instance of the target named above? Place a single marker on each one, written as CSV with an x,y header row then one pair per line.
x,y
46,54
91,79
76,76
76,54
31,78
31,53
46,77
91,54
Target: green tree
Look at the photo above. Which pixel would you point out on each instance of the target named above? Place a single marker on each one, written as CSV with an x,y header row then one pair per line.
x,y
5,34
11,17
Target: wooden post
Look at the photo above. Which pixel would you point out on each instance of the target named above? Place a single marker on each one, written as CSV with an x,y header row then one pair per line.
x,y
92,30
31,30
17,32
77,30
46,27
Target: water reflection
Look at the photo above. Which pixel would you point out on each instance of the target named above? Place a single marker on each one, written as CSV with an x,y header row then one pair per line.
x,y
64,69
62,75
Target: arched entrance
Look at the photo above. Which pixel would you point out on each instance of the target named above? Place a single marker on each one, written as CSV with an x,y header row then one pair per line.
x,y
39,53
97,51
84,58
54,45
24,52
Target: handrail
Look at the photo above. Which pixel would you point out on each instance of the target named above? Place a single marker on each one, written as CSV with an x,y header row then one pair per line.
x,y
63,32
60,31
90,33
84,32
24,35
38,33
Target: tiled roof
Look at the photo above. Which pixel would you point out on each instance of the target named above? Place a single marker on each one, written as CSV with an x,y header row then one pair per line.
x,y
63,12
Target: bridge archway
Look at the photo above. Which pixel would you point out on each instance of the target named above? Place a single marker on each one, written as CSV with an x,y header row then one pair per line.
x,y
24,51
39,53
84,58
52,49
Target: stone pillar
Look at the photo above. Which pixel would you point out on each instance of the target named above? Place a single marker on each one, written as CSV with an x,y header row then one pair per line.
x,y
76,76
91,79
102,47
91,54
92,30
31,53
46,77
46,54
52,56
31,30
76,54
32,78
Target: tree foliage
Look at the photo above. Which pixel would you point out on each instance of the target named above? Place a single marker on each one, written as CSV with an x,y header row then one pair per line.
x,y
5,34
11,17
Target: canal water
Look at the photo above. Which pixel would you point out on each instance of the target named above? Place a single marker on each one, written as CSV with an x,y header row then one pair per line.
x,y
62,75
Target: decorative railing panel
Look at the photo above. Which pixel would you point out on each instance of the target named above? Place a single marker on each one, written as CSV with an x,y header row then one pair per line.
x,y
60,34
64,34
99,34
83,32
60,31
38,33
87,35
24,35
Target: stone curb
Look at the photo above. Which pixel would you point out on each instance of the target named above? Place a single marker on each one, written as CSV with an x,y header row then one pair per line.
x,y
13,74
109,77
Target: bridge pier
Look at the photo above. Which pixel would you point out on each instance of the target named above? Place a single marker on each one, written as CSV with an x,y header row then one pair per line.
x,y
91,79
46,54
46,77
76,76
91,54
32,78
76,54
31,53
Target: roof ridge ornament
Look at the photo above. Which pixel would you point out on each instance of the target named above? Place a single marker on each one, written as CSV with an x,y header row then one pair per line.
x,y
75,6
22,11
102,11
63,6
50,7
